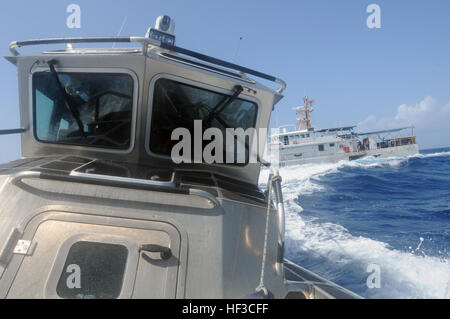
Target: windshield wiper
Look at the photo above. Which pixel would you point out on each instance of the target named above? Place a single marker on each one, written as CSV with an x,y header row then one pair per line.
x,y
215,112
73,111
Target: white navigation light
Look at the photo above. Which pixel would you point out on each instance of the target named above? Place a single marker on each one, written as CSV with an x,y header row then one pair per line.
x,y
163,30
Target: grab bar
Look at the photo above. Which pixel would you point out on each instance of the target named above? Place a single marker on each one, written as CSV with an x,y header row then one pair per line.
x,y
276,183
165,252
115,183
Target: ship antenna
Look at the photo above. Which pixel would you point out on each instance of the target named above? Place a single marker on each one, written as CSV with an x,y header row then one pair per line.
x,y
121,28
237,48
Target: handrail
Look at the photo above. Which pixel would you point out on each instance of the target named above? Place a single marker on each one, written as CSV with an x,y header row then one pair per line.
x,y
281,218
17,44
13,131
114,183
318,280
145,42
275,180
225,64
204,194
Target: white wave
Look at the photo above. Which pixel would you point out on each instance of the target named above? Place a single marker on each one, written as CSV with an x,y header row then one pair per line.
x,y
403,274
303,176
371,161
438,154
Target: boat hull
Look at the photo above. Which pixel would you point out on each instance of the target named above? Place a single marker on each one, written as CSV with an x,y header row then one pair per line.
x,y
398,151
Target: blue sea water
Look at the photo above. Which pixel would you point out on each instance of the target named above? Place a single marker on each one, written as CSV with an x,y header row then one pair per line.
x,y
344,218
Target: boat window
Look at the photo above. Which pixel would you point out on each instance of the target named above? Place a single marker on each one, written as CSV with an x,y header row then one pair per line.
x,y
331,144
177,105
321,147
93,271
307,135
91,109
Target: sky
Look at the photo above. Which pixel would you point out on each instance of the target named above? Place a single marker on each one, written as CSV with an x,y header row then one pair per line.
x,y
378,78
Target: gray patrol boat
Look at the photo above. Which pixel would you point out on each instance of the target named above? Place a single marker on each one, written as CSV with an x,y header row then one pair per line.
x,y
96,207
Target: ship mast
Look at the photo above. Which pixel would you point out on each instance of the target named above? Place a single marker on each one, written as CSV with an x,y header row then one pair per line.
x,y
304,121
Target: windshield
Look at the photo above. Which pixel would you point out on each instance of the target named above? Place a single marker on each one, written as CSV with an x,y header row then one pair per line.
x,y
103,103
177,105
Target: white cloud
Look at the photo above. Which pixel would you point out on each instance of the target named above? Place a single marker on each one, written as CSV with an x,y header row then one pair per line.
x,y
432,122
446,108
417,114
425,114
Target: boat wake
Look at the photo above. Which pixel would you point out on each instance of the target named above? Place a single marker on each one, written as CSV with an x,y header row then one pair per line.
x,y
326,247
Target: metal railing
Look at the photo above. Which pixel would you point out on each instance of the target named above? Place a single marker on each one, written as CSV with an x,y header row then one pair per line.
x,y
145,42
150,186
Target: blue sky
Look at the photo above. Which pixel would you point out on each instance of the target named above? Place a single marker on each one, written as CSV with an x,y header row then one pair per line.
x,y
398,74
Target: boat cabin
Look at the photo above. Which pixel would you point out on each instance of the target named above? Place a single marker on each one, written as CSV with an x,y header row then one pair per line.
x,y
384,139
122,105
98,207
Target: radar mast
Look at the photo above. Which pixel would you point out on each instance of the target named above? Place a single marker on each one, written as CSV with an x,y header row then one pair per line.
x,y
304,120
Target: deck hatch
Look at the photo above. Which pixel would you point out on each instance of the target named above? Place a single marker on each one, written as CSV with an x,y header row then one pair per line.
x,y
93,271
102,252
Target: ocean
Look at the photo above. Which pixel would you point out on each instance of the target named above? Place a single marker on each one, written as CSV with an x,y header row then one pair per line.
x,y
344,219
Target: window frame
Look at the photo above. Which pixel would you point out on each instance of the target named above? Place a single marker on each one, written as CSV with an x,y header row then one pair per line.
x,y
121,71
198,85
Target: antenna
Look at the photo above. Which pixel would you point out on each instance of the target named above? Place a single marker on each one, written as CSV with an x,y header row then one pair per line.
x,y
121,28
237,48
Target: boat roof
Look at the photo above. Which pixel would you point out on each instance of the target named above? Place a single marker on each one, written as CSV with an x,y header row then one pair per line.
x,y
159,48
385,131
336,129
